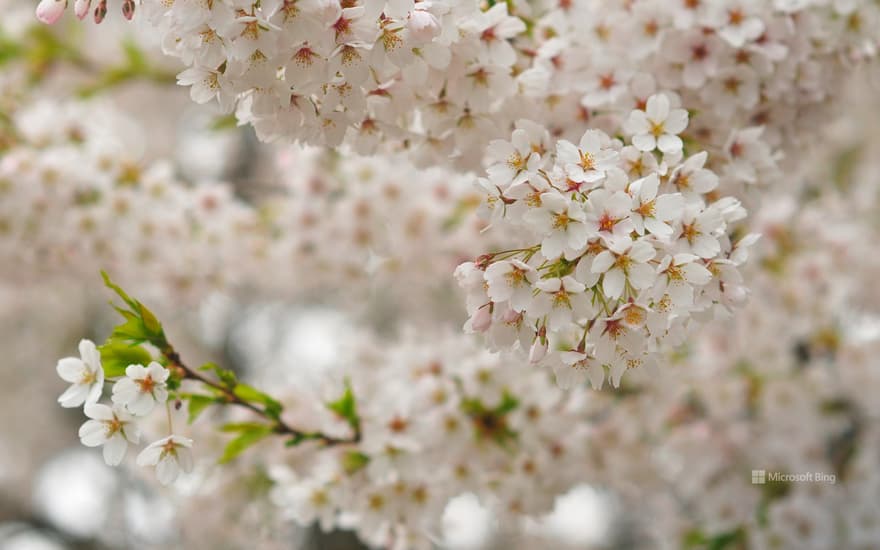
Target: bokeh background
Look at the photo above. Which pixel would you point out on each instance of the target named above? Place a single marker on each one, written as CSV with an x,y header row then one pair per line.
x,y
805,348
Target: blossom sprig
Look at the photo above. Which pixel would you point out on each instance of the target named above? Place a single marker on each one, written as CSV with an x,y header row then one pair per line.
x,y
147,371
631,250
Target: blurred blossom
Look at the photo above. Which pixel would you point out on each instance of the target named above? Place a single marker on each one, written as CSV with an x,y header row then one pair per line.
x,y
205,152
294,344
582,518
149,516
76,492
467,525
19,536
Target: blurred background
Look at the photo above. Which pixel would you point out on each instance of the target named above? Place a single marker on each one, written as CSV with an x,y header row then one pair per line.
x,y
790,384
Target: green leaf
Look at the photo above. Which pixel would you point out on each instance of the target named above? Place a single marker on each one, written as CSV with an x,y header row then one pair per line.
x,y
227,377
353,461
722,541
242,426
245,439
116,356
346,407
118,290
197,404
140,325
509,403
225,122
301,437
252,395
134,56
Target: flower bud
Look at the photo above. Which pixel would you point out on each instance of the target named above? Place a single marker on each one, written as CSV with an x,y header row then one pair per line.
x,y
538,350
481,320
50,11
81,8
422,26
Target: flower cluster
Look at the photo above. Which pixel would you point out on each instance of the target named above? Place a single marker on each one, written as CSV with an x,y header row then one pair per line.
x,y
77,189
113,427
439,419
446,77
634,247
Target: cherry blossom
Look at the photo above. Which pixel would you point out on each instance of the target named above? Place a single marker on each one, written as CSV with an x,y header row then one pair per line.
x,y
85,374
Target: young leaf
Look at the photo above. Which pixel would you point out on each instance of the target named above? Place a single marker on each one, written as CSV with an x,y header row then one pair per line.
x,y
245,439
140,325
116,356
508,404
227,377
353,461
242,426
197,404
252,395
346,407
301,437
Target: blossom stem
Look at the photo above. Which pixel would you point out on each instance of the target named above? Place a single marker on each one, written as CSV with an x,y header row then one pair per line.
x,y
280,427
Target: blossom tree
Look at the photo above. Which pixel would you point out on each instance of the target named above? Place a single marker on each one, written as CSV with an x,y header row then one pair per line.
x,y
618,245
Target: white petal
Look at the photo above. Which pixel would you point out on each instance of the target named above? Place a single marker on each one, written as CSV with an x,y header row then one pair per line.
x,y
644,142
591,141
696,274
572,285
70,369
637,123
142,405
74,396
641,276
93,433
549,285
613,283
96,390
114,449
160,394
669,207
553,245
642,252
647,187
669,143
596,374
124,390
657,107
602,262
584,274
185,459
150,455
656,227
167,470
158,372
90,354
98,411
676,122
138,372
705,246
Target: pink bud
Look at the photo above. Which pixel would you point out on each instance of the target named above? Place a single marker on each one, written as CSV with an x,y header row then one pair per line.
x,y
481,320
422,26
81,8
538,350
50,11
128,9
101,11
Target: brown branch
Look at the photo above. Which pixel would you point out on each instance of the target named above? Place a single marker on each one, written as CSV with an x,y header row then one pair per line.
x,y
280,426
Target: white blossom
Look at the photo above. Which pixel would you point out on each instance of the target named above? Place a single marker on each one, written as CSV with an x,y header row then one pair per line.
x,y
113,428
85,374
170,455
